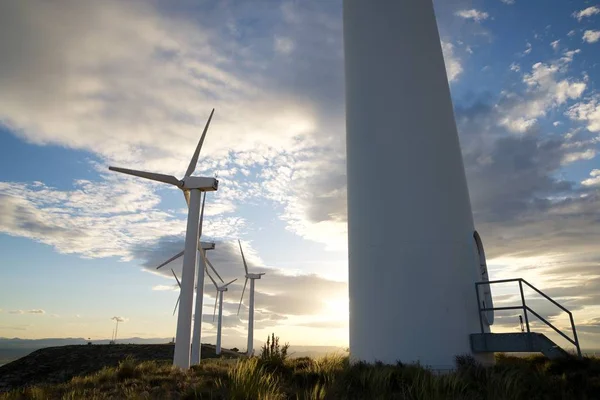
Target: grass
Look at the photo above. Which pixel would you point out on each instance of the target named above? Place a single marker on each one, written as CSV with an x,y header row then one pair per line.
x,y
332,377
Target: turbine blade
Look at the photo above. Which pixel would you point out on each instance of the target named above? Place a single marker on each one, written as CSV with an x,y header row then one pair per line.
x,y
170,179
243,258
242,298
215,311
201,218
215,271
194,159
175,257
229,283
176,278
208,273
176,304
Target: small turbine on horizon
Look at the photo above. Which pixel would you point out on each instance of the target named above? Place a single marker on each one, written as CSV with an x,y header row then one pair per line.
x,y
117,319
252,278
192,186
218,298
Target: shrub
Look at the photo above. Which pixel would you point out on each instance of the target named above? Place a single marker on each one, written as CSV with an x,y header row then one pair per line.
x,y
272,352
127,369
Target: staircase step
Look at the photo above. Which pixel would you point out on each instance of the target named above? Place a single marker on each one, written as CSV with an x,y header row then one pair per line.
x,y
516,343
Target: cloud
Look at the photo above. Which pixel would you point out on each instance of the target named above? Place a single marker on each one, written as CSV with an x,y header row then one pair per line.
x,y
133,85
138,83
555,45
34,311
588,112
544,90
591,36
473,14
97,219
594,180
284,45
165,287
453,65
278,295
587,12
509,2
581,155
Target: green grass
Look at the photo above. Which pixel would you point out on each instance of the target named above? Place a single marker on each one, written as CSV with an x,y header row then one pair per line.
x,y
331,377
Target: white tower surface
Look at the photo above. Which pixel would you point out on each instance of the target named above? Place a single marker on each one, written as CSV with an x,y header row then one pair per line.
x,y
412,256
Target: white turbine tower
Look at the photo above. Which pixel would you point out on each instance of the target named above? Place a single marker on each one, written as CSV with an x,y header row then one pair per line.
x,y
218,298
409,213
192,186
252,278
196,350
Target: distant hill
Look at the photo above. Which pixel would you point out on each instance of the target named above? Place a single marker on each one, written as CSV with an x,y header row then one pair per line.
x,y
60,364
14,348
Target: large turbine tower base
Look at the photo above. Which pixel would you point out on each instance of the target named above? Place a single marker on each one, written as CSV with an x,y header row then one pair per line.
x,y
181,358
412,258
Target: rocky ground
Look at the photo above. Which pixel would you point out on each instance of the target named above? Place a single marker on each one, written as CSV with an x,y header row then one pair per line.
x,y
60,364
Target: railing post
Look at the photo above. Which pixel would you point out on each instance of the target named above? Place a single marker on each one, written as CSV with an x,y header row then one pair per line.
x,y
479,307
523,303
575,335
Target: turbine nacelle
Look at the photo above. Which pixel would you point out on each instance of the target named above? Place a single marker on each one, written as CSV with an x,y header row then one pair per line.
x,y
207,245
254,276
200,183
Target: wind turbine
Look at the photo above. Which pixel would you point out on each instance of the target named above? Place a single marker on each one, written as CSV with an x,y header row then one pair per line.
x,y
197,329
192,186
117,319
219,298
252,278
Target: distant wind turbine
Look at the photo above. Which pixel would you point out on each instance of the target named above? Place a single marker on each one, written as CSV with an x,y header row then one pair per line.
x,y
192,186
218,298
118,319
252,278
178,297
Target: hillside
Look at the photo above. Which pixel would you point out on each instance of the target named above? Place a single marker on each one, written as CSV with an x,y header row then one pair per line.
x,y
275,377
60,364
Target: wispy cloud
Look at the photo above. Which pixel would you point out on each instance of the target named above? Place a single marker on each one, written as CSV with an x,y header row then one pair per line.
x,y
164,287
453,65
472,14
34,311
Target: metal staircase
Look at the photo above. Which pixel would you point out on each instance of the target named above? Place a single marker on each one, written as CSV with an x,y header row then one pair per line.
x,y
526,341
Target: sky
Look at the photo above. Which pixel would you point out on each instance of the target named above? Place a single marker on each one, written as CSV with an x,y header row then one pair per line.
x,y
86,84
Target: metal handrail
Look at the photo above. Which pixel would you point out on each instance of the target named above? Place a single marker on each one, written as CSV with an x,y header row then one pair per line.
x,y
525,308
